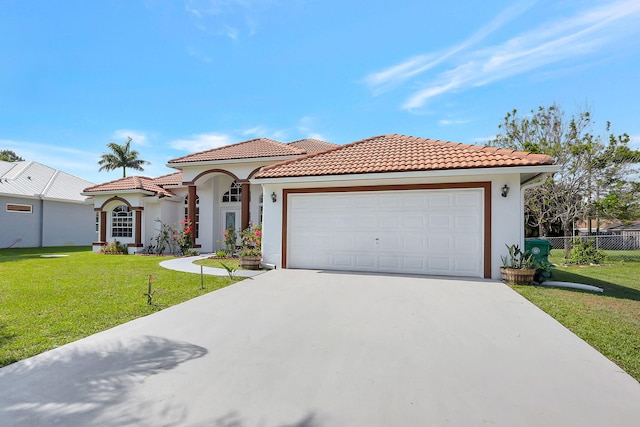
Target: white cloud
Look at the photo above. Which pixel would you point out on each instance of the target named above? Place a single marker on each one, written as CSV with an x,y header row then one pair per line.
x,y
315,135
264,132
137,137
634,142
76,162
228,18
556,41
199,55
202,142
306,126
393,76
449,122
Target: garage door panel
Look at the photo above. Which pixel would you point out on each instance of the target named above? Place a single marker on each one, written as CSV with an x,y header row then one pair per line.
x,y
365,261
410,231
466,265
413,244
438,222
438,200
463,200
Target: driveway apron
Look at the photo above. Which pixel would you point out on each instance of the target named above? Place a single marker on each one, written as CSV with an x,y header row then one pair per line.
x,y
314,349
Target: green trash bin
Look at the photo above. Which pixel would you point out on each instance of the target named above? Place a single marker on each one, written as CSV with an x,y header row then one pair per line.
x,y
539,248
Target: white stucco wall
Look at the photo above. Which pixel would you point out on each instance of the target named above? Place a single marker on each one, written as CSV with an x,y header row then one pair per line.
x,y
506,222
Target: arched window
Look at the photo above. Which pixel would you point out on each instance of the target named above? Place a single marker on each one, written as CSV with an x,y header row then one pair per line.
x,y
234,194
186,212
122,222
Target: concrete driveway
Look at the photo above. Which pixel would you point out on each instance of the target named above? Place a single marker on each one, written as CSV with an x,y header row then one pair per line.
x,y
316,349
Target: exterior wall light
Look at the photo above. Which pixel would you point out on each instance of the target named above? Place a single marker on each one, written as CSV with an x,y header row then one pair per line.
x,y
505,190
274,197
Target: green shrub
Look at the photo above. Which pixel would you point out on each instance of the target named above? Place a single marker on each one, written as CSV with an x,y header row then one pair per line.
x,y
115,247
585,253
221,253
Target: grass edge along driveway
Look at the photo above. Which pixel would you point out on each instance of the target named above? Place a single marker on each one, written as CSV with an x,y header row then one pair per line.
x,y
608,321
46,302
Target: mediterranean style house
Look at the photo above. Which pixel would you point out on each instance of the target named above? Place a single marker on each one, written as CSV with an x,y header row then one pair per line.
x,y
391,203
212,188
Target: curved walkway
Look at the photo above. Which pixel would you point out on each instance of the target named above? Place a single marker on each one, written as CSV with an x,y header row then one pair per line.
x,y
186,264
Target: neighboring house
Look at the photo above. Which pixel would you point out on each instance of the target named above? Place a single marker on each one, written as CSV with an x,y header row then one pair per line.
x,y
392,203
42,206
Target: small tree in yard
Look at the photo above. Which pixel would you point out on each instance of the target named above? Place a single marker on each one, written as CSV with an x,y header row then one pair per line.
x,y
589,169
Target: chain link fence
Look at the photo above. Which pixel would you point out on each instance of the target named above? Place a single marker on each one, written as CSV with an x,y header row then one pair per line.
x,y
629,241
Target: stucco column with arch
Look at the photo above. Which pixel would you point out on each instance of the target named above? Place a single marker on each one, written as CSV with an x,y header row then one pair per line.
x,y
246,198
191,211
103,227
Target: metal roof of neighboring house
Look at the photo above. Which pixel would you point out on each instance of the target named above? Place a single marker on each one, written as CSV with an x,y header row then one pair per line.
x,y
310,145
401,153
255,148
32,179
138,183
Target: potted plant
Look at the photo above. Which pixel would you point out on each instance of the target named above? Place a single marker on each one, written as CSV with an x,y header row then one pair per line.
x,y
518,267
251,247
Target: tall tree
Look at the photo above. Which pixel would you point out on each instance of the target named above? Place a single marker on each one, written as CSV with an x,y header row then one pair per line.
x,y
10,156
121,156
588,171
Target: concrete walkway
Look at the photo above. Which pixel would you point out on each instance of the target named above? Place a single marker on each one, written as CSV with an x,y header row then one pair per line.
x,y
295,348
186,264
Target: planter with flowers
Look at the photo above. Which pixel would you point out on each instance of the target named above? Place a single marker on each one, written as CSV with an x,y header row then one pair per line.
x,y
251,247
518,267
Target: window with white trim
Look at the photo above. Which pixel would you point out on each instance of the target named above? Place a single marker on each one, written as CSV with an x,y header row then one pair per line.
x,y
122,222
186,212
261,204
234,194
12,207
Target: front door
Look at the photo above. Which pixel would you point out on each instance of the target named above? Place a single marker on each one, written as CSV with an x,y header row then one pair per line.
x,y
231,219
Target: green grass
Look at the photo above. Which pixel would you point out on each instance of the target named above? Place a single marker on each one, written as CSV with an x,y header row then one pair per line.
x,y
609,321
48,302
217,263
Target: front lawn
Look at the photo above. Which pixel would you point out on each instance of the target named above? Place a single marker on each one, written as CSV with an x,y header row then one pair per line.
x,y
46,302
609,321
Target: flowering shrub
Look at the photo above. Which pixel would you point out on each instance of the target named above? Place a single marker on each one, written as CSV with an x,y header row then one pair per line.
x,y
251,241
183,237
177,238
230,237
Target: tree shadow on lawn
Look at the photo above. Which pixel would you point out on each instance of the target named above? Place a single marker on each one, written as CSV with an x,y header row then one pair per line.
x,y
81,385
610,289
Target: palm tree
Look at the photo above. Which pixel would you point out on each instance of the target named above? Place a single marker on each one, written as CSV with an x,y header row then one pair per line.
x,y
121,156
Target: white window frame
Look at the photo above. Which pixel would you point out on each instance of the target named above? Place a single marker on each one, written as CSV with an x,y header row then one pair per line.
x,y
186,213
234,194
122,223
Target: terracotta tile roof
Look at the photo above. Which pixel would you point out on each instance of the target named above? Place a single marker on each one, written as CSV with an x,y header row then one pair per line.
x,y
255,148
170,179
310,145
137,183
400,153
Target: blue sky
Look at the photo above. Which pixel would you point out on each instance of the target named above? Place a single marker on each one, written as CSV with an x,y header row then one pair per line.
x,y
182,76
